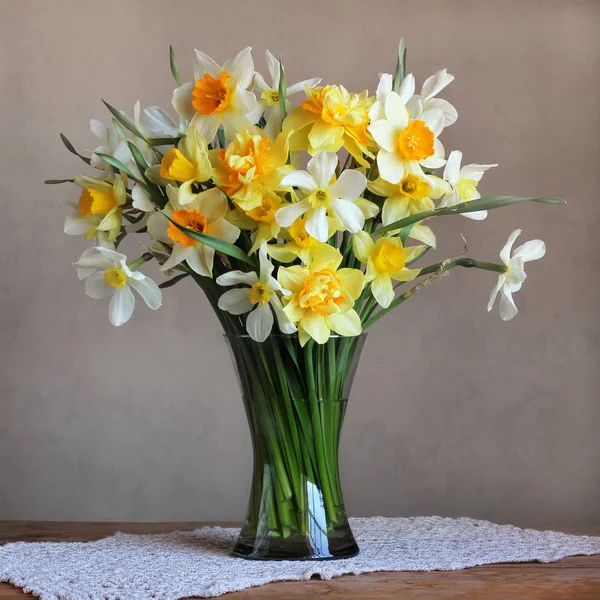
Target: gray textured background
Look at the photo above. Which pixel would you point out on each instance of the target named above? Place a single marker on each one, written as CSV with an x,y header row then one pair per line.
x,y
454,412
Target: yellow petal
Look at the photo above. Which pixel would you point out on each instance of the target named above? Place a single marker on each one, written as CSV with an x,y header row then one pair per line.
x,y
323,136
315,326
394,209
284,253
325,256
369,209
383,188
411,253
353,281
422,233
405,274
382,290
347,324
363,245
292,278
278,155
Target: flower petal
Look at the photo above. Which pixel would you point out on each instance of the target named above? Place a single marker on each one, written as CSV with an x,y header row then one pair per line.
x,y
383,290
395,110
241,67
508,308
121,306
205,64
391,166
260,322
292,278
363,245
384,133
149,291
182,100
407,88
349,186
436,83
315,326
347,324
96,287
301,179
285,325
286,215
532,250
506,250
322,167
235,301
317,224
353,281
497,287
348,213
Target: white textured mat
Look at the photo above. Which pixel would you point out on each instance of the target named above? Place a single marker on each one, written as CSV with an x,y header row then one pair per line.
x,y
197,563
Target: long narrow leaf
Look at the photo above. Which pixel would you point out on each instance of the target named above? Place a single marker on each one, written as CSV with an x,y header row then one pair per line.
x,y
216,243
72,150
119,116
171,282
166,141
116,163
282,90
400,73
174,67
465,207
138,157
57,181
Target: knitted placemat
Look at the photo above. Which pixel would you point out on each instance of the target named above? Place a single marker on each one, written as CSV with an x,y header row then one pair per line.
x,y
197,563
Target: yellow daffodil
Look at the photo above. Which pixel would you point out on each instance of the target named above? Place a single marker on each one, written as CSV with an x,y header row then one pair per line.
x,y
99,213
406,145
411,196
251,166
329,119
187,164
322,297
219,96
205,213
386,259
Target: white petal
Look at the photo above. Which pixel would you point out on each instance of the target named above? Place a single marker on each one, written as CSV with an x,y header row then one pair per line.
x,y
434,119
235,301
317,225
349,214
260,322
301,179
241,67
149,291
205,64
285,325
273,66
395,110
96,287
100,130
505,252
207,125
237,277
182,100
475,171
508,308
299,87
478,215
322,167
449,112
385,134
158,123
75,224
532,250
436,83
350,185
391,166
201,260
102,258
407,88
141,199
178,255
84,272
384,86
498,286
266,267
288,214
121,306
437,160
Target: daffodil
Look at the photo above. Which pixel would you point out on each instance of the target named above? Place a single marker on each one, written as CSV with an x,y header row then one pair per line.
x,y
269,95
260,294
205,213
325,197
187,164
251,166
331,118
411,196
512,279
386,260
426,100
219,96
110,143
407,145
106,273
301,244
322,297
463,183
99,213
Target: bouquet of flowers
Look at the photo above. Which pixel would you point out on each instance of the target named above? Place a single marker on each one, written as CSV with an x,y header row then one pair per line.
x,y
303,223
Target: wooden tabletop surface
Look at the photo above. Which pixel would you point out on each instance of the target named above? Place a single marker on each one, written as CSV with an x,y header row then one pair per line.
x,y
570,579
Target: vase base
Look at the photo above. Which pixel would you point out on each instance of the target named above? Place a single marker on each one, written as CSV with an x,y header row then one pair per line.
x,y
337,545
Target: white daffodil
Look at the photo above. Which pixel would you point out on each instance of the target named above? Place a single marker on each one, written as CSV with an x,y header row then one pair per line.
x,y
205,213
426,100
219,95
269,95
463,184
512,279
384,88
257,299
106,273
406,144
110,142
323,198
154,122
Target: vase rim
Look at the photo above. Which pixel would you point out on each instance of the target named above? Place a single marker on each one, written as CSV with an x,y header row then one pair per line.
x,y
291,336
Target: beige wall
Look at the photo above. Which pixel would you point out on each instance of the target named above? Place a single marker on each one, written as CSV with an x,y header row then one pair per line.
x,y
454,412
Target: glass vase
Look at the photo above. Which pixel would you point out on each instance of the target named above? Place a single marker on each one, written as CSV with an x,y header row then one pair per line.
x,y
295,399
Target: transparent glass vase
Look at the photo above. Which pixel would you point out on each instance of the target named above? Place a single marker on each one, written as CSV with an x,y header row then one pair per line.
x,y
295,400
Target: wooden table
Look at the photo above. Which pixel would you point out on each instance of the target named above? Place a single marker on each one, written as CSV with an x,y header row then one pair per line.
x,y
569,579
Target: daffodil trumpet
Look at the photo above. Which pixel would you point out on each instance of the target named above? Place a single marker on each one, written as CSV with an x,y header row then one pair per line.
x,y
303,212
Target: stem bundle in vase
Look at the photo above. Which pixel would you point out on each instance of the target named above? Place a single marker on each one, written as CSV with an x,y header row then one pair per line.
x,y
304,224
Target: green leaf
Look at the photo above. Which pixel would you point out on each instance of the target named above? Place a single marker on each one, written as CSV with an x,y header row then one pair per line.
x,y
166,141
120,131
140,161
116,163
119,116
57,181
405,232
219,245
400,73
282,90
465,207
174,67
72,150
